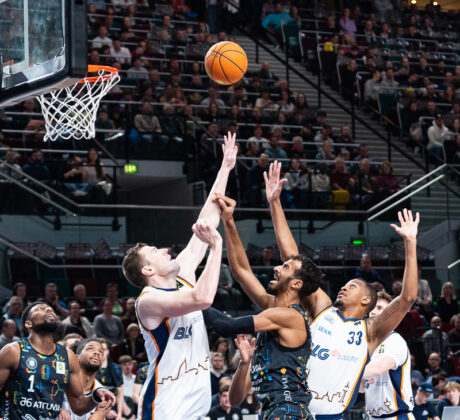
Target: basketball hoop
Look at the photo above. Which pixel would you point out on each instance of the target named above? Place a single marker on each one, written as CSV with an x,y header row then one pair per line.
x,y
71,112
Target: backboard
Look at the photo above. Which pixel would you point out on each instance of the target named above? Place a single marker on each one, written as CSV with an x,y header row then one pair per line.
x,y
43,46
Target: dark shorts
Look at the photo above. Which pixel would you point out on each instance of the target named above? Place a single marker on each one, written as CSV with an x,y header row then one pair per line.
x,y
287,411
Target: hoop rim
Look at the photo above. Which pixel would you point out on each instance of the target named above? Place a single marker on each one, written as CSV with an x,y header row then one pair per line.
x,y
93,68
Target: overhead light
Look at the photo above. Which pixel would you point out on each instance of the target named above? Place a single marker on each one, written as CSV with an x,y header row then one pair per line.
x,y
435,3
413,1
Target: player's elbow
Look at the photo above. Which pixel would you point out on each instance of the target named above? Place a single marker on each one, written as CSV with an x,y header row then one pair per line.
x,y
203,301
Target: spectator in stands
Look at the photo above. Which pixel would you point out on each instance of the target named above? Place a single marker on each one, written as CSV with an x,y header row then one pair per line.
x,y
121,54
73,177
265,74
51,298
454,333
423,409
285,104
321,187
9,329
224,410
109,375
266,105
345,138
272,22
79,291
326,152
13,170
349,80
76,323
170,124
153,81
19,289
439,381
339,175
148,124
424,295
239,97
372,89
274,151
101,39
431,110
404,70
109,326
434,365
364,182
111,292
294,193
447,305
347,25
434,337
255,181
213,98
93,171
297,150
452,389
386,181
126,367
323,134
217,371
424,69
137,71
133,344
14,313
130,313
436,135
36,168
388,83
259,139
415,375
366,272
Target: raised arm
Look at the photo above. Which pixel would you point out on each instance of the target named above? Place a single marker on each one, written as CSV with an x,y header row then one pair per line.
x,y
273,187
241,383
238,259
190,258
318,300
161,304
380,326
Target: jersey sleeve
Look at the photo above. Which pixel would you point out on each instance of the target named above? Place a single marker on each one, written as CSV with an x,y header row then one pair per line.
x,y
395,347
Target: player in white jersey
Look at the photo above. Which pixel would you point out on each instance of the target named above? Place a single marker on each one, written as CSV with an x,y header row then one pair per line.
x,y
90,355
341,338
387,381
178,384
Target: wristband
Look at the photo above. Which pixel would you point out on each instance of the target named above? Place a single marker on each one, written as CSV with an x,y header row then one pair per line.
x,y
96,398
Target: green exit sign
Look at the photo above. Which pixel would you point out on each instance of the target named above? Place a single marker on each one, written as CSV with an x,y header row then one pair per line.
x,y
131,168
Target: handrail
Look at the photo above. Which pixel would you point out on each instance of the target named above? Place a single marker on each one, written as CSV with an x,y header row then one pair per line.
x,y
405,198
378,205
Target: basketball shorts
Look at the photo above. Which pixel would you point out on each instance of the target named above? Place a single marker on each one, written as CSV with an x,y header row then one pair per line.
x,y
287,411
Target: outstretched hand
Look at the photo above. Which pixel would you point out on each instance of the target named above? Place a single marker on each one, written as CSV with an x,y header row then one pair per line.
x,y
230,150
273,184
227,206
245,347
206,233
409,226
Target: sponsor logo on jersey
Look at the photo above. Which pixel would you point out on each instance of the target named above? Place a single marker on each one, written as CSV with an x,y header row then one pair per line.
x,y
323,353
324,330
329,318
381,348
31,363
29,417
183,333
60,368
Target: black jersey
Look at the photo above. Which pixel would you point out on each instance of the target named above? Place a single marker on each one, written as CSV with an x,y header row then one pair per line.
x,y
278,373
36,390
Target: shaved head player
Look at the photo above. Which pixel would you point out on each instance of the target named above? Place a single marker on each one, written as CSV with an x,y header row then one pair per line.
x,y
178,384
341,337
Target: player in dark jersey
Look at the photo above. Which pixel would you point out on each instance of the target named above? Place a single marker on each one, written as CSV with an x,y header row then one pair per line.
x,y
277,371
35,373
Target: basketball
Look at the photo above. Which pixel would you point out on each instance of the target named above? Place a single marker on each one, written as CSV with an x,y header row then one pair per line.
x,y
226,63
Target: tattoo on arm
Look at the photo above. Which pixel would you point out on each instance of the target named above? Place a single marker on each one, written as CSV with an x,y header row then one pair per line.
x,y
380,326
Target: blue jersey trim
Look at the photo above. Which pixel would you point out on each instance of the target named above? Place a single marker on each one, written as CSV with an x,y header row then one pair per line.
x,y
347,319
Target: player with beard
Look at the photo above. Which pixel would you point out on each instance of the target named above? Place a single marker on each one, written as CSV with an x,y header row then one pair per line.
x,y
279,356
90,355
341,337
35,373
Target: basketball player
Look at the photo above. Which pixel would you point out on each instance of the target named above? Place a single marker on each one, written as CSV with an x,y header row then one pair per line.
x,y
35,373
387,380
90,356
277,372
341,338
172,323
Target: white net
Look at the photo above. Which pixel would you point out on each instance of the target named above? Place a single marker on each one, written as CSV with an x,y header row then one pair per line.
x,y
71,112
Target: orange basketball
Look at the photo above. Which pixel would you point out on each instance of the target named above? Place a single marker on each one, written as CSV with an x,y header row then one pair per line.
x,y
226,63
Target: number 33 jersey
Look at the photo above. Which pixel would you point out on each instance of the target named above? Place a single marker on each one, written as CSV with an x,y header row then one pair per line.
x,y
339,354
36,390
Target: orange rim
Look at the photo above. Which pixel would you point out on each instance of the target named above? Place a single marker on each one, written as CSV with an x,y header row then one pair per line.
x,y
92,68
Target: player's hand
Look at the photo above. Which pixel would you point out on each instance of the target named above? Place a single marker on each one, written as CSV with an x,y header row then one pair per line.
x,y
227,206
273,184
104,408
206,233
112,415
409,226
106,396
245,347
64,415
230,150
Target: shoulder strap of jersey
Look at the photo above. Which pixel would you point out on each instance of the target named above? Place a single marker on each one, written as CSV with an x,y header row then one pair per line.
x,y
299,309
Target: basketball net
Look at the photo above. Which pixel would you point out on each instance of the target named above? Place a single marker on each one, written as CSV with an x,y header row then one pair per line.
x,y
71,112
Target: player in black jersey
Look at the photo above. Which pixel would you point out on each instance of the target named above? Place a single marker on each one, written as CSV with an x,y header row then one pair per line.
x,y
35,373
278,368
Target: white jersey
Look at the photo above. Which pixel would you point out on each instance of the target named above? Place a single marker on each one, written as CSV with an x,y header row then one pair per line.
x,y
73,416
178,384
336,365
390,392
